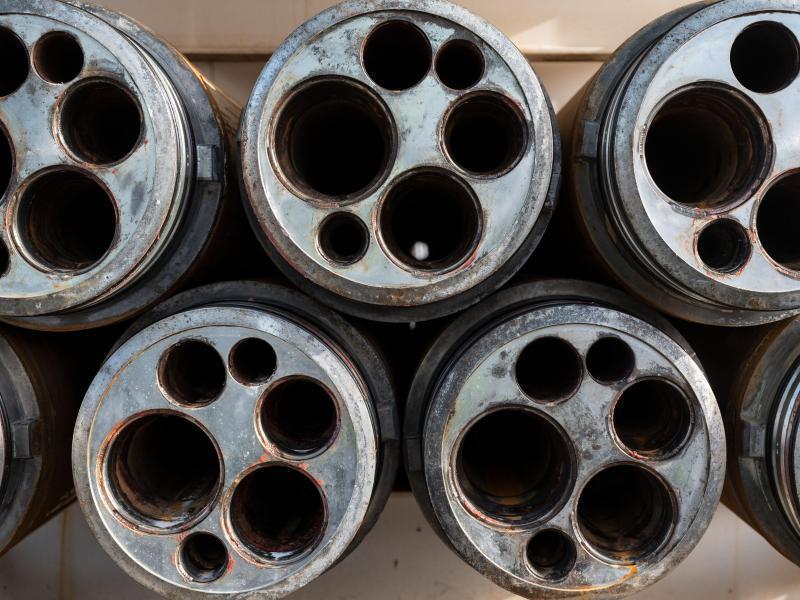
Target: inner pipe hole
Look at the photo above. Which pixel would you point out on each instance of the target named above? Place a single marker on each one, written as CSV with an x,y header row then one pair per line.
x,y
723,246
164,470
397,55
610,360
549,369
203,557
101,122
485,134
551,554
765,57
58,57
253,361
67,220
15,62
278,513
334,138
776,221
625,513
343,238
514,465
430,220
708,147
299,416
192,373
652,418
460,64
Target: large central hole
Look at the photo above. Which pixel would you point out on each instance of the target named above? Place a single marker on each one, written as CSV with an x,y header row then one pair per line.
x,y
777,219
278,513
334,138
707,147
164,470
67,220
625,512
514,465
430,220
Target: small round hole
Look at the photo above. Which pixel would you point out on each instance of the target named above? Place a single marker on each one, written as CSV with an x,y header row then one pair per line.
x,y
15,62
333,138
101,122
192,373
551,554
765,57
775,222
459,64
67,220
625,512
164,470
343,238
278,513
299,416
514,465
610,360
430,220
723,246
485,134
652,418
253,361
58,57
708,147
549,369
5,259
203,557
397,55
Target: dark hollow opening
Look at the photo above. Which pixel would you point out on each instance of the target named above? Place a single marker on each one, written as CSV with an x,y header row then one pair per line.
x,y
164,470
192,373
514,465
485,134
610,360
203,557
6,162
397,55
101,122
58,57
777,219
625,512
278,513
15,62
551,554
5,259
299,416
253,361
765,57
723,246
549,369
459,64
343,238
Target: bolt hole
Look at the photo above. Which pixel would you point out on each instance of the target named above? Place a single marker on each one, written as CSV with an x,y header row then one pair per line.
x,y
397,55
625,513
723,246
192,373
299,416
766,57
708,147
164,470
15,62
551,554
101,122
549,369
253,361
485,134
67,220
514,465
58,57
610,360
652,418
343,238
460,64
430,220
278,513
775,221
203,557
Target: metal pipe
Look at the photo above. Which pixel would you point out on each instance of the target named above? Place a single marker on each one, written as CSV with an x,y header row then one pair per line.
x,y
240,440
563,440
400,159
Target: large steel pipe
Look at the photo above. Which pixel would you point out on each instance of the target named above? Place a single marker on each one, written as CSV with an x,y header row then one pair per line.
x,y
400,158
112,165
239,441
684,162
563,440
